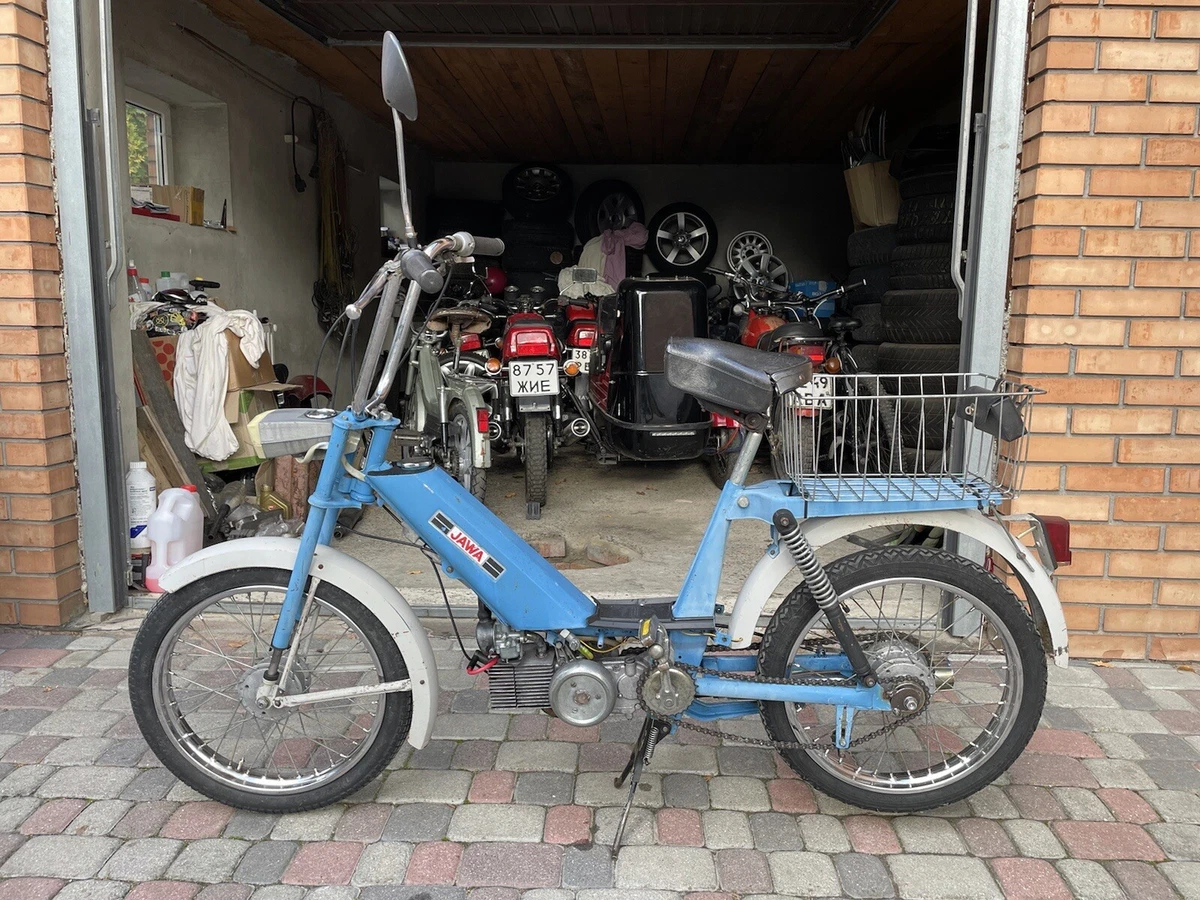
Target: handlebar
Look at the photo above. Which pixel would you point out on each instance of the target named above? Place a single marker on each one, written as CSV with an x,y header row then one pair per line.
x,y
423,267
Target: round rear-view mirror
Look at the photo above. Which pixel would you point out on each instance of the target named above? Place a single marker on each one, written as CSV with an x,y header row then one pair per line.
x,y
398,88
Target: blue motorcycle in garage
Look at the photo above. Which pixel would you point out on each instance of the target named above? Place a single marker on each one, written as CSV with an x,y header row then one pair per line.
x,y
281,675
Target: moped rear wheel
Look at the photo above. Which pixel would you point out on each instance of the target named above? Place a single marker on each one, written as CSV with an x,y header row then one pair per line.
x,y
965,646
194,670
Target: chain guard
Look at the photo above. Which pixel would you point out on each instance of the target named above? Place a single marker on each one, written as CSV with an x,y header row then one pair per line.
x,y
814,680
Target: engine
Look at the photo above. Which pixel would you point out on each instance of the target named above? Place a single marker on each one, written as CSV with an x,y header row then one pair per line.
x,y
533,674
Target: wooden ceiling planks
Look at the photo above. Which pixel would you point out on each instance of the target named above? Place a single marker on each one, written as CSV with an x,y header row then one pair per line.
x,y
629,104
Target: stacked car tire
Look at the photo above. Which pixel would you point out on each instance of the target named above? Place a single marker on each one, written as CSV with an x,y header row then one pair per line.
x,y
919,312
538,237
869,253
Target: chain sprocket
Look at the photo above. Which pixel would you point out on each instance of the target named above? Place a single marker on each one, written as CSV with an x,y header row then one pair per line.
x,y
816,680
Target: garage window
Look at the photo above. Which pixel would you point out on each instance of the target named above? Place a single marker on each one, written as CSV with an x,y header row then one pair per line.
x,y
148,128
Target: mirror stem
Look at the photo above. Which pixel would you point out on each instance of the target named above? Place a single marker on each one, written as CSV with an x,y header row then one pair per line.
x,y
410,233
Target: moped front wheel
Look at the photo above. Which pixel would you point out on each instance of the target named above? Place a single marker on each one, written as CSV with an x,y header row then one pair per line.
x,y
194,671
460,455
952,637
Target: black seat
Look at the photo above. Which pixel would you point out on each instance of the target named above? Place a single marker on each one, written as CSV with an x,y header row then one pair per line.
x,y
842,324
732,377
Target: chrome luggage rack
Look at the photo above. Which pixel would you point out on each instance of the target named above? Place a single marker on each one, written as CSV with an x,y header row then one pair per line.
x,y
905,439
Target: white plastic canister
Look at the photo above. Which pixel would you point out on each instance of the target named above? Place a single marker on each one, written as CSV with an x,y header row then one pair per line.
x,y
141,496
175,530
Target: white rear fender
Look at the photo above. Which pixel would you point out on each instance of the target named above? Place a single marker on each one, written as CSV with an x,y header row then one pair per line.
x,y
770,571
358,580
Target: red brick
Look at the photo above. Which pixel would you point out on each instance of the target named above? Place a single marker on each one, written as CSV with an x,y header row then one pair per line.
x,y
1060,117
1062,55
1116,479
1070,270
1104,590
1160,119
1141,621
1072,331
1175,89
1045,180
1090,22
432,863
1108,841
1043,301
1108,646
492,787
196,820
1102,361
568,825
1158,450
985,838
1172,152
1146,56
1075,211
680,827
327,862
871,834
1179,649
1117,537
1127,806
1073,448
1040,360
53,816
1062,742
791,796
1030,879
1177,23
1157,509
1082,150
1123,242
1083,86
1170,333
1162,392
1182,537
30,888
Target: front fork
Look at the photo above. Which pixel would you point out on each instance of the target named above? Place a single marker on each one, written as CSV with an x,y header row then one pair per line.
x,y
337,488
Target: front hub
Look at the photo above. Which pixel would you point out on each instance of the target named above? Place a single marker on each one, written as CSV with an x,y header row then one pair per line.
x,y
249,690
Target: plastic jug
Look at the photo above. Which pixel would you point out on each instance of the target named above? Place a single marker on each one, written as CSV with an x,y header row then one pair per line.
x,y
176,530
141,494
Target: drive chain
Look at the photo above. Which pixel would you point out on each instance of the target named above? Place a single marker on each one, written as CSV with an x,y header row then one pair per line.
x,y
816,680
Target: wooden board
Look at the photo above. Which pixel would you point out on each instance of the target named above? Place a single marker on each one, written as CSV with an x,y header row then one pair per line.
x,y
163,418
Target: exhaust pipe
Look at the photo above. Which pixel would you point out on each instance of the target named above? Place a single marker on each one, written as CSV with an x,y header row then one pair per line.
x,y
580,427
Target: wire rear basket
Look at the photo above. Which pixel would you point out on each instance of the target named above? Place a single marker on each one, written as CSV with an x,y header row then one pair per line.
x,y
904,438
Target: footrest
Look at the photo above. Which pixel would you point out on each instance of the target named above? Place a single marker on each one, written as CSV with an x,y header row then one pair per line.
x,y
627,615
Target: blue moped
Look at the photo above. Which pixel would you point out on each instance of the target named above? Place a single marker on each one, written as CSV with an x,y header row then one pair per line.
x,y
281,674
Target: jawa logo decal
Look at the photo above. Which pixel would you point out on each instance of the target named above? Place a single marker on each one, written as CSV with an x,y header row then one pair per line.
x,y
467,544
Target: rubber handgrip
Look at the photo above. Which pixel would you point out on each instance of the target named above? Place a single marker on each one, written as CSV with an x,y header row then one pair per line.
x,y
485,246
420,268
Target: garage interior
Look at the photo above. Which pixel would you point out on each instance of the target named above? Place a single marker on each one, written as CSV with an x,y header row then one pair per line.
x,y
740,108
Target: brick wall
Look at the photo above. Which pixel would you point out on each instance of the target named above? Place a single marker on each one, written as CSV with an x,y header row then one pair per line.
x,y
39,553
1106,314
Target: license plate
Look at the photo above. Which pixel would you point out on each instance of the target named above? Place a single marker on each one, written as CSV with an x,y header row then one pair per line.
x,y
817,394
583,356
533,379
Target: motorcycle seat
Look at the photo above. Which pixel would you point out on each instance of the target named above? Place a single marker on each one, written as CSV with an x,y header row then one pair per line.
x,y
842,324
724,376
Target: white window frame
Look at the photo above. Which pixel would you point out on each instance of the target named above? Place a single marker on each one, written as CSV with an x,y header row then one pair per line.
x,y
162,109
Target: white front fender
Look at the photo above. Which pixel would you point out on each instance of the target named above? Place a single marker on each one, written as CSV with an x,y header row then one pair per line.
x,y
358,580
773,568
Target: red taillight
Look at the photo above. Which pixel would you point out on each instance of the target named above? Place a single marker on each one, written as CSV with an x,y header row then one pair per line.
x,y
530,342
1058,535
815,352
583,335
481,420
471,342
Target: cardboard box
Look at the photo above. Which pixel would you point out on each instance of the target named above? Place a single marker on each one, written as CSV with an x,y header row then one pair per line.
x,y
874,194
241,406
185,201
164,352
242,372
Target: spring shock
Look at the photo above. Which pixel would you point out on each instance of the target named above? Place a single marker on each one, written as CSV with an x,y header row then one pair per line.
x,y
823,592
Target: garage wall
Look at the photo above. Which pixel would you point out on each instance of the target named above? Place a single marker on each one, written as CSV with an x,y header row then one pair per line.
x,y
802,209
270,263
1106,316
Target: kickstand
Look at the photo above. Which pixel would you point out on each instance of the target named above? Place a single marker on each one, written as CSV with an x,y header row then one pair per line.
x,y
653,731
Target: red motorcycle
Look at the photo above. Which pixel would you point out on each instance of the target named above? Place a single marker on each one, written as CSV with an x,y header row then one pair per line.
x,y
529,406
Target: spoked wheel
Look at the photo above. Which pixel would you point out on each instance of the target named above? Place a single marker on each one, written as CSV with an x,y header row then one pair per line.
x,y
746,244
460,452
954,638
195,669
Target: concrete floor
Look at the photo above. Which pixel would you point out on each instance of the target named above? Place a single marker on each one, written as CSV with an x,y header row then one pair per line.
x,y
654,513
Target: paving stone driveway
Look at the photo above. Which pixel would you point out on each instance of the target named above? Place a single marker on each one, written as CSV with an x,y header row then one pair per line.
x,y
1106,803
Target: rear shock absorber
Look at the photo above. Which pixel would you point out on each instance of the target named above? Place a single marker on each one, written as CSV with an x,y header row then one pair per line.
x,y
823,592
